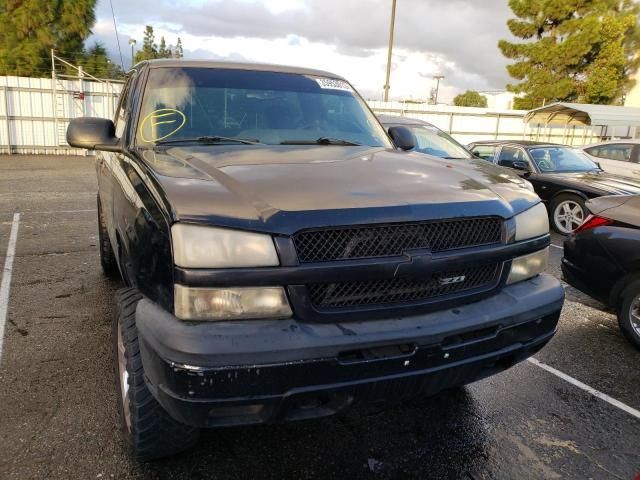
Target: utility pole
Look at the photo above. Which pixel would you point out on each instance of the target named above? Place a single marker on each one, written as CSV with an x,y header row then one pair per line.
x,y
132,42
437,78
54,97
389,55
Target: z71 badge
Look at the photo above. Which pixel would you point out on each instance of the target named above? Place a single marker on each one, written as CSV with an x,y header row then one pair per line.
x,y
451,280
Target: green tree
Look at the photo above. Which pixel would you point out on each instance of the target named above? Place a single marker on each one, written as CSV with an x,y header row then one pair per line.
x,y
29,29
607,77
470,98
524,103
149,47
178,52
150,50
574,50
95,61
163,50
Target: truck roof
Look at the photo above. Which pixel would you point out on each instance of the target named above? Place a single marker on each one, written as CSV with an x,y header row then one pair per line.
x,y
262,67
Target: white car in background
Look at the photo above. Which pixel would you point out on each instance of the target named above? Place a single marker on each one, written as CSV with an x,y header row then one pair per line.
x,y
621,157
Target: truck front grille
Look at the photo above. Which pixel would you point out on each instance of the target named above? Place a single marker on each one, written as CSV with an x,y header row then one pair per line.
x,y
372,241
327,296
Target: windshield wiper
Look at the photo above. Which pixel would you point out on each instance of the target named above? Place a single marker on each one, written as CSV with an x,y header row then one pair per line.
x,y
210,140
322,141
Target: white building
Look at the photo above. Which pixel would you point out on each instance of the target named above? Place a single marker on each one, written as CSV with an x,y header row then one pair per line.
x,y
499,99
632,99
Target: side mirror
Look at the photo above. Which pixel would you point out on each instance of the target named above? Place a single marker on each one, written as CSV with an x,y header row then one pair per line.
x,y
402,138
93,134
520,165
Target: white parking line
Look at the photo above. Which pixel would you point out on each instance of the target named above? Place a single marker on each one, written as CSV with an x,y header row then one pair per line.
x,y
596,393
55,211
6,275
557,246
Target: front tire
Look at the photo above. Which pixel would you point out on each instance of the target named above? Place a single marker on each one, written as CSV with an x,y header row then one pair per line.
x,y
147,429
629,313
567,213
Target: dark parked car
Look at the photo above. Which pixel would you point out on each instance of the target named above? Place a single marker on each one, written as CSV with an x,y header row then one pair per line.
x,y
284,260
564,177
602,258
428,138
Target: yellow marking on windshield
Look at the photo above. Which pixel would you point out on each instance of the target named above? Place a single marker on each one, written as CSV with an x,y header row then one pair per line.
x,y
153,124
152,120
172,112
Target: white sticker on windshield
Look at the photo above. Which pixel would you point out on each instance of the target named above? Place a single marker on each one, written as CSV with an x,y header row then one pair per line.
x,y
333,84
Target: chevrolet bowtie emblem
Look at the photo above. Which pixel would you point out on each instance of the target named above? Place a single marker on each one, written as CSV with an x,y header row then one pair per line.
x,y
417,265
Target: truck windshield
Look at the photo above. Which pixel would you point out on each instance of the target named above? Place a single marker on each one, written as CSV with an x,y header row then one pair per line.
x,y
181,104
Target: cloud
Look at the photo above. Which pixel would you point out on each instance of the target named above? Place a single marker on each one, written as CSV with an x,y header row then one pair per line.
x,y
459,37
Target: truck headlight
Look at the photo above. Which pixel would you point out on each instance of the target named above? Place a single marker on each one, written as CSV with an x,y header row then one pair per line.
x,y
197,246
532,223
239,303
528,266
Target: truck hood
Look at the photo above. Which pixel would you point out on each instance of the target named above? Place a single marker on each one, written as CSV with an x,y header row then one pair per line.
x,y
285,188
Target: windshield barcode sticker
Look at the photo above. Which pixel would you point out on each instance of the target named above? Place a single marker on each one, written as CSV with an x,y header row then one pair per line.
x,y
333,84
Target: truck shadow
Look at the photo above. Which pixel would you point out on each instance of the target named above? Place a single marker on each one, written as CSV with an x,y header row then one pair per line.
x,y
439,437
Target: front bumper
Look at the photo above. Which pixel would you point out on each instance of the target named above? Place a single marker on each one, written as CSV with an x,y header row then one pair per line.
x,y
233,373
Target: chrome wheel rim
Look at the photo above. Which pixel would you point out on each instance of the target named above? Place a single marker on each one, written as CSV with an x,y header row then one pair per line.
x,y
123,375
634,315
568,216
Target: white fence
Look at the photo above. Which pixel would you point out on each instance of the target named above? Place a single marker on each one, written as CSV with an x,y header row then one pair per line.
x,y
35,112
468,124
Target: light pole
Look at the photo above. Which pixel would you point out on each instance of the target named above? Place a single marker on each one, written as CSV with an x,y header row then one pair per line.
x,y
132,42
389,54
437,78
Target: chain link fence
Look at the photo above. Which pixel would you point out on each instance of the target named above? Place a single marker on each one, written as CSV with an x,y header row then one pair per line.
x,y
35,112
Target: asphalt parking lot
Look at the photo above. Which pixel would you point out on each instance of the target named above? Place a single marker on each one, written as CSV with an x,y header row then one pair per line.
x,y
57,401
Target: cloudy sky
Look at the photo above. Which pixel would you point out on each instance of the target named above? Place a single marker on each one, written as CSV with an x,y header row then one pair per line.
x,y
455,38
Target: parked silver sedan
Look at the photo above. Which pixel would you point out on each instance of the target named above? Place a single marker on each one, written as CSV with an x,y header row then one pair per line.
x,y
621,157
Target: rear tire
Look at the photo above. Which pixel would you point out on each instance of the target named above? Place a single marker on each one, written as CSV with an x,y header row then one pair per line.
x,y
629,313
147,429
567,212
107,257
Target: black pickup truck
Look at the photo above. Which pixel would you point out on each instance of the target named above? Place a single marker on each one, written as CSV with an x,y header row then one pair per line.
x,y
285,257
